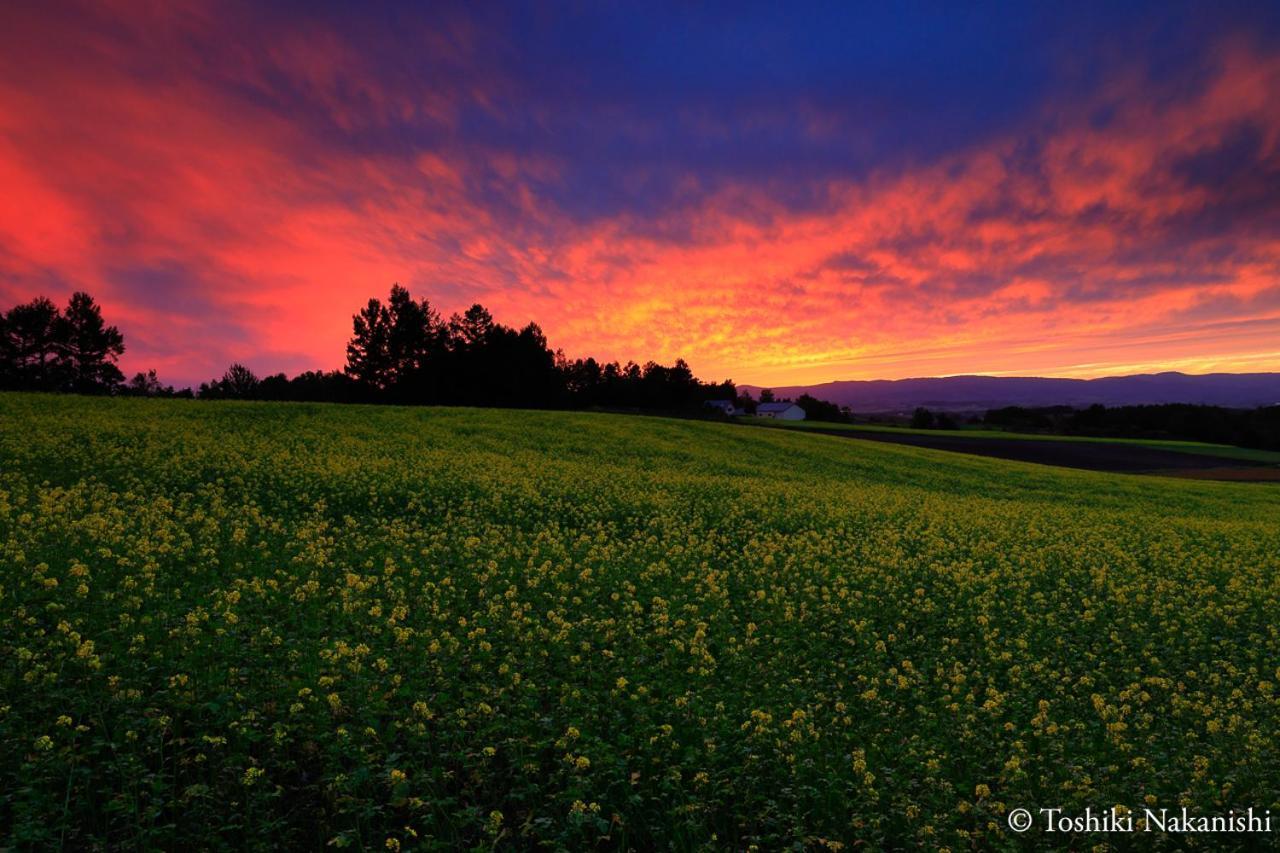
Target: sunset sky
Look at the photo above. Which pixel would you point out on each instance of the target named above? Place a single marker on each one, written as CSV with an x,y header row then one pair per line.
x,y
779,193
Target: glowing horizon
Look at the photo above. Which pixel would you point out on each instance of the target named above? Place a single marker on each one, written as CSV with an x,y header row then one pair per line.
x,y
789,200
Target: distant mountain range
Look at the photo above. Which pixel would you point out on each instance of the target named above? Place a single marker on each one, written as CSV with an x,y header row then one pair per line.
x,y
978,393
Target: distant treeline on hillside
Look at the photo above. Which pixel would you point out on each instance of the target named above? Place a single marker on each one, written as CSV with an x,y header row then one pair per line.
x,y
401,351
1259,428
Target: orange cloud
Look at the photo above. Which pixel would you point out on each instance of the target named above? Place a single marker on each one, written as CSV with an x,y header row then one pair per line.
x,y
241,203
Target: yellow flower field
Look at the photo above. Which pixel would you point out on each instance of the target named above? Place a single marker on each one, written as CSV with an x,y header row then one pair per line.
x,y
235,625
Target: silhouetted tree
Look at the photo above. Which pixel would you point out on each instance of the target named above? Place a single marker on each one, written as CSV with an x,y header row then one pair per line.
x,y
415,346
30,351
1017,418
273,387
472,329
821,410
922,418
530,369
148,385
89,347
582,379
328,387
238,383
42,348
369,350
397,350
586,383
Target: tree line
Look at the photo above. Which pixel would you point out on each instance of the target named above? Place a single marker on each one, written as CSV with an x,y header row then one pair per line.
x,y
403,351
400,351
1257,428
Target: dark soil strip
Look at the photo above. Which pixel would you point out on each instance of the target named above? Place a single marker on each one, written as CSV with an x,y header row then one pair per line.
x,y
1093,456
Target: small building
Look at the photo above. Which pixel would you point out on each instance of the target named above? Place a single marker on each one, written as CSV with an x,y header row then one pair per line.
x,y
728,407
781,411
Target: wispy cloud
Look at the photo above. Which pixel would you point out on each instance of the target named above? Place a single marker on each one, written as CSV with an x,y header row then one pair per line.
x,y
233,182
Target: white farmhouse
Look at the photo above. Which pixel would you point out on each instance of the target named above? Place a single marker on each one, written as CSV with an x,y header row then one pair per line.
x,y
781,411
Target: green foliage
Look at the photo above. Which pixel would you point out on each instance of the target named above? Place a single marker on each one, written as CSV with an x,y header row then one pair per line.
x,y
271,625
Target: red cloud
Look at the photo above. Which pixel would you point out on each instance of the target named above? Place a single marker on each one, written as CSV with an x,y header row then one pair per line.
x,y
240,203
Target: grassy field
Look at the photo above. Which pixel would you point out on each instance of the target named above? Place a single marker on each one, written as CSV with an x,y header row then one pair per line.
x,y
1226,451
228,625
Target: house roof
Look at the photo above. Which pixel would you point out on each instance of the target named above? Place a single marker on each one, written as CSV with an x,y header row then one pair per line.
x,y
774,407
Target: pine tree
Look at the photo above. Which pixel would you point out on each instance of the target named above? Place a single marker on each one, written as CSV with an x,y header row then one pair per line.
x,y
369,350
414,334
88,348
29,346
473,328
